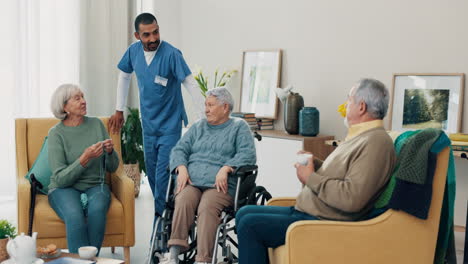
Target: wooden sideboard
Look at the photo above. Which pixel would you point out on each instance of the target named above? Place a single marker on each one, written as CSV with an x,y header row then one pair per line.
x,y
315,145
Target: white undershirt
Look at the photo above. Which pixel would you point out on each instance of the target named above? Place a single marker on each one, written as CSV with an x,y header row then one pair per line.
x,y
149,55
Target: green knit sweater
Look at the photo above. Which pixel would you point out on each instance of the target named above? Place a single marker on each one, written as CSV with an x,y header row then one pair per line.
x,y
66,144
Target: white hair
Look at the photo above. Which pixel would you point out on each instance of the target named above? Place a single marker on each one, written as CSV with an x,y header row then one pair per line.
x,y
60,98
375,95
223,96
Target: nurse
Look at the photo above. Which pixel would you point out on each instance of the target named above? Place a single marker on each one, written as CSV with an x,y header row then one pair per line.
x,y
160,70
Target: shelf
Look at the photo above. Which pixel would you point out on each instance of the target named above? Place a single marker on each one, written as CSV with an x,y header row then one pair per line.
x,y
460,154
284,135
315,145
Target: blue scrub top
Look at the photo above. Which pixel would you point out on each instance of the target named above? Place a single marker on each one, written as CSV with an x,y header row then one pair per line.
x,y
161,102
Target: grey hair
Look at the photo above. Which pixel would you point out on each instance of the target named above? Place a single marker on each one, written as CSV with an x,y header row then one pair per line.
x,y
223,96
60,97
375,95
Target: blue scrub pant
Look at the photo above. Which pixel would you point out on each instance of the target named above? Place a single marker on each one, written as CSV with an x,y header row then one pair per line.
x,y
263,227
157,154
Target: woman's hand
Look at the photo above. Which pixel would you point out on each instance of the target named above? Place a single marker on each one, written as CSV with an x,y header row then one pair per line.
x,y
108,145
221,178
182,178
90,153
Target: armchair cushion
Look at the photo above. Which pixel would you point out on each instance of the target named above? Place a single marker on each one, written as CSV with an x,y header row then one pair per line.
x,y
41,168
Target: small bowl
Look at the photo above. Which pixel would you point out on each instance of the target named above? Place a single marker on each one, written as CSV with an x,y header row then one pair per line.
x,y
88,252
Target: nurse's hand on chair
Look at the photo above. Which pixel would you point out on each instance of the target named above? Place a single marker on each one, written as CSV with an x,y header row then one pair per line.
x,y
116,122
221,179
182,178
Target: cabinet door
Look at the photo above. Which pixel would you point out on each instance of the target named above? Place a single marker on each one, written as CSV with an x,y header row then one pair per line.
x,y
275,160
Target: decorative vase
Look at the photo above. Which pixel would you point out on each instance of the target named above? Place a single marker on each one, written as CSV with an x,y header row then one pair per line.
x,y
293,105
133,172
309,121
3,250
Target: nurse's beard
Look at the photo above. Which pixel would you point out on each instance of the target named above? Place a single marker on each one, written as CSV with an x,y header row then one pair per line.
x,y
156,44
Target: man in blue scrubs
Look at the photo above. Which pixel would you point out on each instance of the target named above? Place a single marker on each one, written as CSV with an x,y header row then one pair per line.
x,y
160,70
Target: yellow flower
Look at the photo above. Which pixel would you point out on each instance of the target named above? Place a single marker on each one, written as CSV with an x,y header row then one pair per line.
x,y
342,109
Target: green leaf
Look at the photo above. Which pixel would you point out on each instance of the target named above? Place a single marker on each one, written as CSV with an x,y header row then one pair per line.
x,y
7,229
132,139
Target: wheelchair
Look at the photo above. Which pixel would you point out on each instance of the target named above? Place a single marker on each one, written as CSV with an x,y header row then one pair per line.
x,y
247,193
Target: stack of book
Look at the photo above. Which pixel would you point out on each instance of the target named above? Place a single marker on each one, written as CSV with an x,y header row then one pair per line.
x,y
459,142
265,123
249,118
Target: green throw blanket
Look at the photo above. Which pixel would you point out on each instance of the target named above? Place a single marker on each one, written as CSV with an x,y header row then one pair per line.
x,y
414,149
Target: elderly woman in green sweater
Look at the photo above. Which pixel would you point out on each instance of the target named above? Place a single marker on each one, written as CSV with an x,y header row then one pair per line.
x,y
80,153
203,159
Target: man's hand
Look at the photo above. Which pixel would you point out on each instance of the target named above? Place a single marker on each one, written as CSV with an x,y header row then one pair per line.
x,y
303,172
221,178
116,122
182,178
90,153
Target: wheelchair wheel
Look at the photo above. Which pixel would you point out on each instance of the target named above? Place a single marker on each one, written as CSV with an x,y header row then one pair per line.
x,y
259,195
154,259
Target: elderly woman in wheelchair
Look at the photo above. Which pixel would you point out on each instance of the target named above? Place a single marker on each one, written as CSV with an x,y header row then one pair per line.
x,y
203,160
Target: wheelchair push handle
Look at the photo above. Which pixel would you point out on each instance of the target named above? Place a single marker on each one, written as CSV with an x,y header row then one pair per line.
x,y
244,171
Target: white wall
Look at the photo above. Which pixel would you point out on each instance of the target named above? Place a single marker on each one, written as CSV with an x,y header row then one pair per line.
x,y
328,45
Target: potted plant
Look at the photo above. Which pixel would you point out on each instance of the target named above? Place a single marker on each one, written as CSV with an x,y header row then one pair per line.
x,y
132,147
7,230
202,80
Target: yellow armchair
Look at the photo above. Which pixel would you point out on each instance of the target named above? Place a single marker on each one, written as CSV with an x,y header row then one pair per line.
x,y
393,237
120,227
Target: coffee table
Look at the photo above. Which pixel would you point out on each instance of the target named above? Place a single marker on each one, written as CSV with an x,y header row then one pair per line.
x,y
99,260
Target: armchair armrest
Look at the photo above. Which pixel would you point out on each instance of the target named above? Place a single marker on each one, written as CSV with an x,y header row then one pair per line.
x,y
24,199
282,201
318,241
123,189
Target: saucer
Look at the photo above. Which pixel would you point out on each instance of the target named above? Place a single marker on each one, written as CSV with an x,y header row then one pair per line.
x,y
11,261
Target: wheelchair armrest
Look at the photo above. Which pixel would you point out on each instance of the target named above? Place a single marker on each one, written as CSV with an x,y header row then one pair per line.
x,y
246,176
244,171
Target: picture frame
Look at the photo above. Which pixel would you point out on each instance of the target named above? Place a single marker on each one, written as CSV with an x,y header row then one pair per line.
x,y
261,74
421,101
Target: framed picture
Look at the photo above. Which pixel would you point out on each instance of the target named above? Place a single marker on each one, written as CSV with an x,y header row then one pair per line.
x,y
261,72
427,100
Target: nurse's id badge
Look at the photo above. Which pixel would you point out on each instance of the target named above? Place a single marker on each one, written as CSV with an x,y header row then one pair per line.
x,y
160,80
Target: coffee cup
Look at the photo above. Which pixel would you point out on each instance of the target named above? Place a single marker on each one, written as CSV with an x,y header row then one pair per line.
x,y
88,252
303,158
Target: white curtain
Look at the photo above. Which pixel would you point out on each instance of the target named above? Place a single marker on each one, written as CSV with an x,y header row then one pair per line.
x,y
105,34
40,50
48,52
46,43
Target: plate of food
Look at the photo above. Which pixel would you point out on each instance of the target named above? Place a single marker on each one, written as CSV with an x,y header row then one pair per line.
x,y
49,251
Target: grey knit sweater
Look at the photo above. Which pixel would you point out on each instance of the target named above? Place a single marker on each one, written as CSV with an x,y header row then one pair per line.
x,y
205,148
